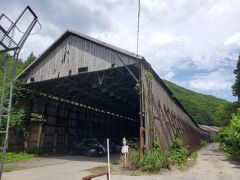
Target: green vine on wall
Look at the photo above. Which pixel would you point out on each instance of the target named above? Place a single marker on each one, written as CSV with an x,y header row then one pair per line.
x,y
148,76
20,110
137,87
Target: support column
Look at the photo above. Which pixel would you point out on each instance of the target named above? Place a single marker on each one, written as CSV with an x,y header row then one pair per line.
x,y
42,140
54,142
141,112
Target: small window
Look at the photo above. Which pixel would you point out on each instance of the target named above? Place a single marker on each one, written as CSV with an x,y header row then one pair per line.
x,y
70,72
32,79
58,75
41,77
82,69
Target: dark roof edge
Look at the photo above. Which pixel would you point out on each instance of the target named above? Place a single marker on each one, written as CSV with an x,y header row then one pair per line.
x,y
75,33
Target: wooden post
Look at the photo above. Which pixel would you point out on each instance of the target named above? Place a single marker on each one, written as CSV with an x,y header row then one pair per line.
x,y
42,139
66,142
66,139
141,112
54,142
39,134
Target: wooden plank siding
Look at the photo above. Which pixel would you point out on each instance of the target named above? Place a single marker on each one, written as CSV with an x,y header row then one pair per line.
x,y
73,53
164,119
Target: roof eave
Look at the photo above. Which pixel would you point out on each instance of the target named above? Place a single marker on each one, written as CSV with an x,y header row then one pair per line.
x,y
75,33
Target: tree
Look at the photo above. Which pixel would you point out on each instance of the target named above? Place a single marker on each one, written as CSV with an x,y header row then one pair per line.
x,y
230,136
30,59
236,85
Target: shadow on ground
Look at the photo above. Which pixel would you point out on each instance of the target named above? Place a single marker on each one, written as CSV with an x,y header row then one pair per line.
x,y
114,158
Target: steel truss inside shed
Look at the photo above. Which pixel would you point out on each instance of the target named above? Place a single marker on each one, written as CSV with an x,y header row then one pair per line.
x,y
93,104
111,90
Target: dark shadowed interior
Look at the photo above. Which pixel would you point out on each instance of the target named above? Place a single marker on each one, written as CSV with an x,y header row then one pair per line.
x,y
91,104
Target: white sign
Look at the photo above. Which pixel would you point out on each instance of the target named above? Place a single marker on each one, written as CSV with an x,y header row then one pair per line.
x,y
124,141
124,149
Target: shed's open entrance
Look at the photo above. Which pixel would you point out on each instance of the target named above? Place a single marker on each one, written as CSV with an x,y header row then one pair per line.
x,y
97,104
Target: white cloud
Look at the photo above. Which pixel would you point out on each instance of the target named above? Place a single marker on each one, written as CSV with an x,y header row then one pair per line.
x,y
164,38
213,81
171,32
174,35
233,39
169,75
37,48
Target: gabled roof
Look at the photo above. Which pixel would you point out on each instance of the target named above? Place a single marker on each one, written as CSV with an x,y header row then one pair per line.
x,y
75,33
114,48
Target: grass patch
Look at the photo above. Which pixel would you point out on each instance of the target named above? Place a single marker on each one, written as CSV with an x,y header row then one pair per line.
x,y
115,169
11,167
98,169
204,143
135,173
16,157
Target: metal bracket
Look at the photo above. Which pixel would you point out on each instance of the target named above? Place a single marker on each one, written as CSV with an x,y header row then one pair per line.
x,y
134,77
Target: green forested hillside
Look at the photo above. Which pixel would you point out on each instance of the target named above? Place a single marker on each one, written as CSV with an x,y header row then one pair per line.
x,y
19,68
204,109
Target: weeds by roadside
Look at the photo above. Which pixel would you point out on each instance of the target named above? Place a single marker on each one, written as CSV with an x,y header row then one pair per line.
x,y
13,157
204,143
18,156
159,158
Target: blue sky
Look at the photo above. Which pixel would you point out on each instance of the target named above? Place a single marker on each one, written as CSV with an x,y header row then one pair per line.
x,y
193,43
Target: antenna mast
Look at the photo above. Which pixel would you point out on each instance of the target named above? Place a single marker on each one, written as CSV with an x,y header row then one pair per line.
x,y
138,18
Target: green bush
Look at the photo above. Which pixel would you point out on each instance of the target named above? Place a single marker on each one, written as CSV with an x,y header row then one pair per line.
x,y
159,158
155,159
134,158
178,152
230,136
204,143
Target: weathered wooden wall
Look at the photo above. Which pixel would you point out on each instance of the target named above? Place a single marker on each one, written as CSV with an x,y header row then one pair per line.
x,y
163,117
73,53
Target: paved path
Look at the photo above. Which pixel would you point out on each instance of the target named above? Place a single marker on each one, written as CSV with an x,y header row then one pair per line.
x,y
211,165
56,168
